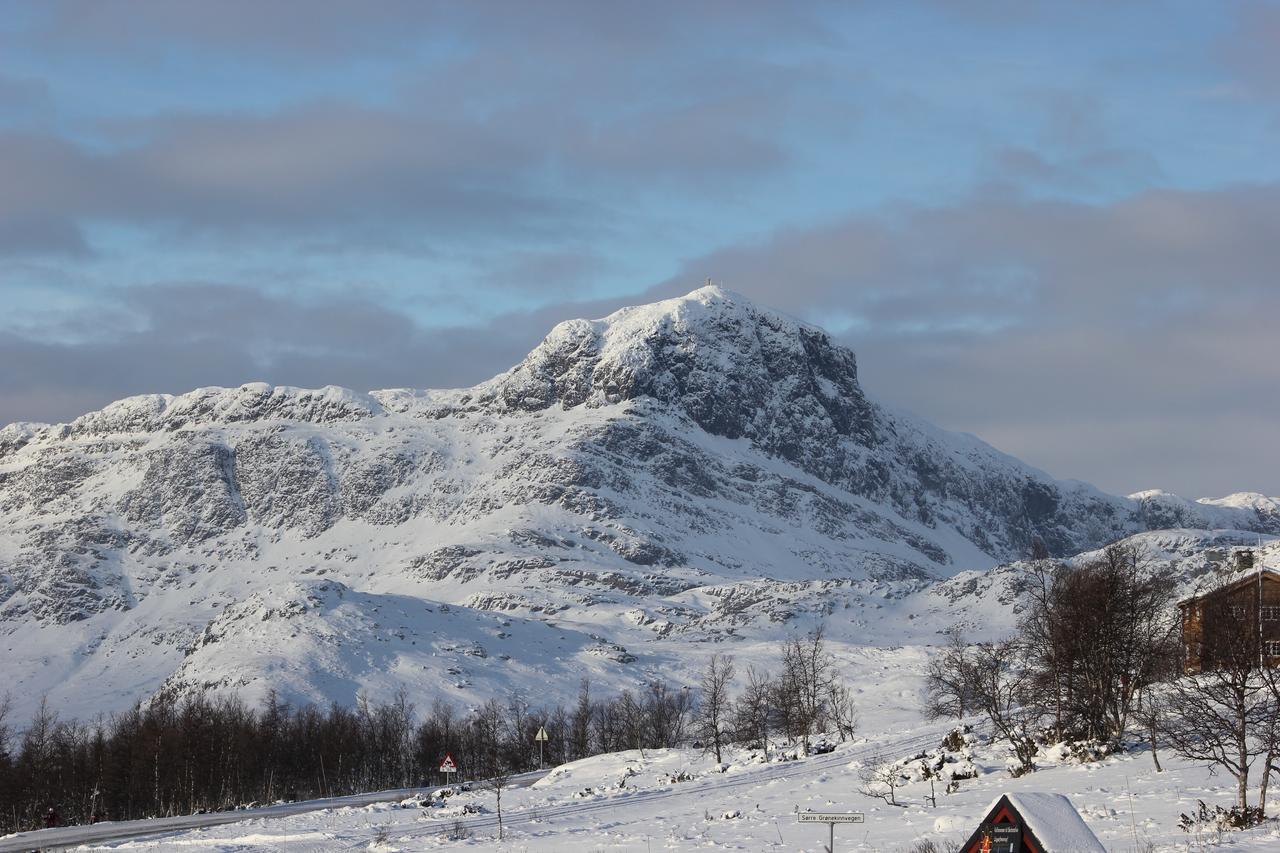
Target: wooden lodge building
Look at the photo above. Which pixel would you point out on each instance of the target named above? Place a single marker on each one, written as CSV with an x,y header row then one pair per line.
x,y
1237,622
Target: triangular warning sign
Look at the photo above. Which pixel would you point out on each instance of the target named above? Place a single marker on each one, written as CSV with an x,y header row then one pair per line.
x,y
447,766
542,734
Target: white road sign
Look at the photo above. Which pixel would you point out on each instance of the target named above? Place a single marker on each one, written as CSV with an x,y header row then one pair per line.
x,y
447,766
831,817
542,734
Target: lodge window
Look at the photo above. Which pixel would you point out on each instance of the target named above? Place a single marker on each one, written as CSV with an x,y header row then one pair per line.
x,y
1270,613
1272,648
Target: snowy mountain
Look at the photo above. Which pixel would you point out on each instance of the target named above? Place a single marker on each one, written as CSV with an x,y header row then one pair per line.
x,y
697,470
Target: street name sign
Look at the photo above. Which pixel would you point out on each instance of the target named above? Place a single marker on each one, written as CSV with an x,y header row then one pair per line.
x,y
831,817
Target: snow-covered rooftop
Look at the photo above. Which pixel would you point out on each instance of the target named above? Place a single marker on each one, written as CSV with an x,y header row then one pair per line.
x,y
1053,821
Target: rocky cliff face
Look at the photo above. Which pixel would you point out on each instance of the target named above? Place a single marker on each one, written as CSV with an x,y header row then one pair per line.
x,y
696,469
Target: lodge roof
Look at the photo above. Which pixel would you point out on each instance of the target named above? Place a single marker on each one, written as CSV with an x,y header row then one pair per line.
x,y
1246,577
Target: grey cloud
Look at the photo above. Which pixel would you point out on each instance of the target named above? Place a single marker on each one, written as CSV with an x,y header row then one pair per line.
x,y
1129,344
1182,406
528,122
1134,348
694,145
322,164
288,28
1073,119
295,30
24,101
1051,262
176,337
43,182
1249,48
1094,170
28,236
562,274
306,168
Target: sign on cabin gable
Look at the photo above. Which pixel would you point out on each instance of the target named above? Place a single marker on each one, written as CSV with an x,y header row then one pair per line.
x,y
1000,838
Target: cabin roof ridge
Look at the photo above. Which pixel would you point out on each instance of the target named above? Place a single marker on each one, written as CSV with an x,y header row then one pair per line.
x,y
1246,576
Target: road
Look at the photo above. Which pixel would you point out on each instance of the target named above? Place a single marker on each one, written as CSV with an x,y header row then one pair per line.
x,y
615,805
64,837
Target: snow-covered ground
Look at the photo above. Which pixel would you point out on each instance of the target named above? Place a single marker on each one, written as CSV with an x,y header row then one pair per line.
x,y
682,800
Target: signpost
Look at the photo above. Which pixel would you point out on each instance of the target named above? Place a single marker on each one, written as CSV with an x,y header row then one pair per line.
x,y
541,737
831,819
448,766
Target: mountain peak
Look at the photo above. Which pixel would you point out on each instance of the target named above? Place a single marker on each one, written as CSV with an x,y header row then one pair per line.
x,y
711,302
736,369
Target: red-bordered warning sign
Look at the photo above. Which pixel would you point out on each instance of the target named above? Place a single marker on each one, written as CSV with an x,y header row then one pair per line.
x,y
448,765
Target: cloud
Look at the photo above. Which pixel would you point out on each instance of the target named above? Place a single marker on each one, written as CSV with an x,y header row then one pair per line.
x,y
176,337
290,29
525,122
33,236
1248,49
303,31
23,101
460,160
1018,169
1155,253
410,168
1130,344
308,167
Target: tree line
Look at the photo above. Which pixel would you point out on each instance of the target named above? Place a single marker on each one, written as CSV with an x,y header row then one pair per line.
x,y
186,754
1097,658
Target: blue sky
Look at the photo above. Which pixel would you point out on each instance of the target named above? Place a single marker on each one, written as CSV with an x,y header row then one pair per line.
x,y
1053,225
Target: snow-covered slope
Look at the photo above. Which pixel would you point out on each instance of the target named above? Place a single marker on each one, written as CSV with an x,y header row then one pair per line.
x,y
696,470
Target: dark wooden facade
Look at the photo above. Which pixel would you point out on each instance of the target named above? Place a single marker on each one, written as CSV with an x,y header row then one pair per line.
x,y
1244,612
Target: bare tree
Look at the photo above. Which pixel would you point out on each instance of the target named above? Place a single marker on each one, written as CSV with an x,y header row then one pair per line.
x,y
666,712
931,774
38,752
580,723
1269,734
1045,630
1152,704
495,770
841,710
1223,715
1096,637
949,680
713,710
1003,686
809,686
751,711
6,734
881,779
